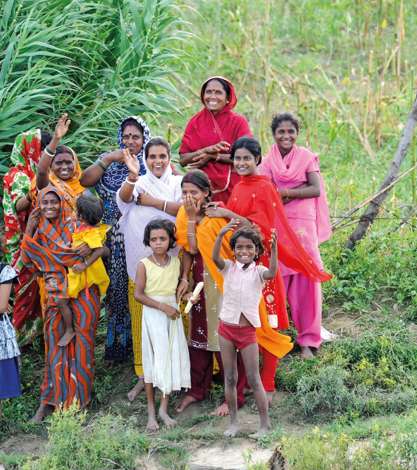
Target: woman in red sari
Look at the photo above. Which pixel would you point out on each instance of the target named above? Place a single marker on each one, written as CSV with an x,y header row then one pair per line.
x,y
210,134
255,200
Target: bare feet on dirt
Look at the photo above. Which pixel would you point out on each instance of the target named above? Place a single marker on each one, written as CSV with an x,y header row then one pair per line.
x,y
306,352
41,413
232,430
261,433
136,390
167,420
152,425
66,339
186,402
222,410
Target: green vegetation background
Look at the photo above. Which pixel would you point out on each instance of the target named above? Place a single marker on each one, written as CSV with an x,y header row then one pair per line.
x,y
347,68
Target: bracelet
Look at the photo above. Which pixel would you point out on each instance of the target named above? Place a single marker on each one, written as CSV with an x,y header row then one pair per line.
x,y
48,152
130,182
101,164
191,233
191,221
165,206
184,280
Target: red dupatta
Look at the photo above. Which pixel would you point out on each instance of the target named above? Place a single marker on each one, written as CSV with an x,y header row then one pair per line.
x,y
206,128
256,199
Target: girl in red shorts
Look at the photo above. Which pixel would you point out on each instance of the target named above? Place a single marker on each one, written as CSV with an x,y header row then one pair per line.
x,y
239,316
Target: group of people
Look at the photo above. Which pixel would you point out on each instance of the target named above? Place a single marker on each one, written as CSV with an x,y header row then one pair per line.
x,y
237,236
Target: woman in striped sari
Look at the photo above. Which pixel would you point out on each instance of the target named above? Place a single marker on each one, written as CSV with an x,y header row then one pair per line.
x,y
46,247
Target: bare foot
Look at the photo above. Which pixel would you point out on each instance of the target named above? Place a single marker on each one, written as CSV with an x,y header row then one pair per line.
x,y
188,399
168,421
136,390
222,410
270,397
152,425
261,433
66,339
306,352
41,413
232,430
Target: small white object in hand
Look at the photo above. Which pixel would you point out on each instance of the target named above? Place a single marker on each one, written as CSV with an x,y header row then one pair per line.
x,y
198,288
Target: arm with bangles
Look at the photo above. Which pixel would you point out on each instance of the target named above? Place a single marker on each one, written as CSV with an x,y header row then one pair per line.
x,y
92,175
141,297
42,172
183,287
92,258
200,158
305,191
218,260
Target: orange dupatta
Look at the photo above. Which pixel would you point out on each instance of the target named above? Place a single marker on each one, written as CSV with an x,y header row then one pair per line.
x,y
206,231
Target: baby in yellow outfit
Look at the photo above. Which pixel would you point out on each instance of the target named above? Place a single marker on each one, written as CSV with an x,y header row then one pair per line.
x,y
91,272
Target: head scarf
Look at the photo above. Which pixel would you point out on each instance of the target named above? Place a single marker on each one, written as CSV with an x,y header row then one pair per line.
x,y
205,129
117,172
291,171
135,217
70,189
17,184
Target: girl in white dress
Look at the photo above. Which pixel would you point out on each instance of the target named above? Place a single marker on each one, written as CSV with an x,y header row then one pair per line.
x,y
166,363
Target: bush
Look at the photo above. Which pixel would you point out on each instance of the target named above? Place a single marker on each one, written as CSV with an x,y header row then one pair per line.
x,y
107,443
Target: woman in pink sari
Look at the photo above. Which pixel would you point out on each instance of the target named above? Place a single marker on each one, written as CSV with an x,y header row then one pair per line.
x,y
210,134
296,173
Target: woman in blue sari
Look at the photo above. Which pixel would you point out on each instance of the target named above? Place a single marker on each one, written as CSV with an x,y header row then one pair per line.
x,y
107,175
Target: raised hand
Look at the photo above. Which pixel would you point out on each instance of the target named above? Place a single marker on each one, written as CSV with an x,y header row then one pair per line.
x,y
62,127
232,225
274,239
33,221
131,162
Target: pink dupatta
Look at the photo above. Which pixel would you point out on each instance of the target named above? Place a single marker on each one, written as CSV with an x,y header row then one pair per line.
x,y
290,172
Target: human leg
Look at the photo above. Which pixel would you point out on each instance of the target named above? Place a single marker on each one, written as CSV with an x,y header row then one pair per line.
x,y
66,313
150,399
250,356
201,362
228,352
163,412
305,300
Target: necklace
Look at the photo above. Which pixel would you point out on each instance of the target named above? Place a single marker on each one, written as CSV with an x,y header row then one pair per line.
x,y
160,264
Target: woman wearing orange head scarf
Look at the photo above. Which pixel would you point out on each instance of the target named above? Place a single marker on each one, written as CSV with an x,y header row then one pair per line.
x,y
59,166
210,134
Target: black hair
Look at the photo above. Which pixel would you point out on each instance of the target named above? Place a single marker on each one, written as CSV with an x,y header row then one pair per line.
x,y
131,122
251,234
223,83
278,119
45,139
250,144
63,149
200,179
90,208
157,141
160,224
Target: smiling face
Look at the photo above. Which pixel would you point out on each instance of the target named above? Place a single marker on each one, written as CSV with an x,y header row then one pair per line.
x,y
198,195
215,96
50,206
158,160
244,162
63,165
159,241
132,138
285,136
245,250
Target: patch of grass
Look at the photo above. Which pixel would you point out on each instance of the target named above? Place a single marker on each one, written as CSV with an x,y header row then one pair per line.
x,y
106,443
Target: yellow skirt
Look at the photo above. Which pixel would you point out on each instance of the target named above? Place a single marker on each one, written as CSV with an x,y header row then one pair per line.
x,y
135,309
